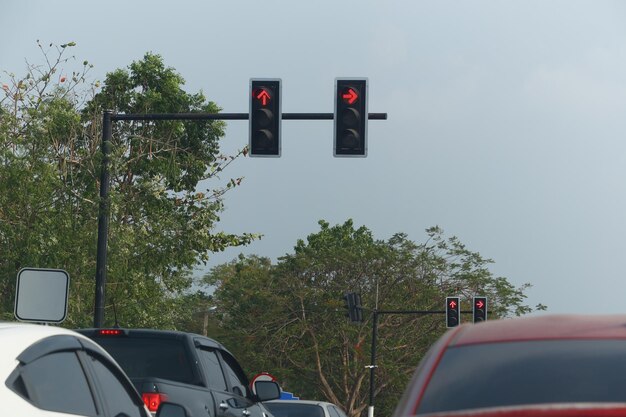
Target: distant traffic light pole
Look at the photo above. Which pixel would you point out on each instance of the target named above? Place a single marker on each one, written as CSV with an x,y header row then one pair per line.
x,y
372,366
108,119
452,312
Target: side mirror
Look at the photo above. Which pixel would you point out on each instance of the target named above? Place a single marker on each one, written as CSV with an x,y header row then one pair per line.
x,y
267,390
171,410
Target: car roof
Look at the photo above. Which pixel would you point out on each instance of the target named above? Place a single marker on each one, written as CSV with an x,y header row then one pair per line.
x,y
160,333
22,335
542,327
310,402
299,402
541,410
18,336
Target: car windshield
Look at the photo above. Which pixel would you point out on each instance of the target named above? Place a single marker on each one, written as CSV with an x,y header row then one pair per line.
x,y
294,409
150,357
533,372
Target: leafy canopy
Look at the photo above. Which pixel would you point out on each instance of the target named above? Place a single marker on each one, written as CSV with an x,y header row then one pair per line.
x,y
161,225
288,318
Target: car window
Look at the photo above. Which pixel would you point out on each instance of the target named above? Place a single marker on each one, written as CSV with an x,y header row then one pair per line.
x,y
57,382
235,375
215,377
332,411
150,357
294,409
338,410
533,372
118,396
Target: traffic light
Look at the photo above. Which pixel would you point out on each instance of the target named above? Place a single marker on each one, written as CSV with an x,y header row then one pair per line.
x,y
453,315
348,302
480,309
265,117
358,309
350,117
352,303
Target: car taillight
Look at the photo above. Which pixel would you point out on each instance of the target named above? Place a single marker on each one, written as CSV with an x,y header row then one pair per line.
x,y
152,400
110,332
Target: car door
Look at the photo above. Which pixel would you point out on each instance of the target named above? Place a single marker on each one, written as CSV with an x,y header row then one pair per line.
x,y
239,387
227,383
117,395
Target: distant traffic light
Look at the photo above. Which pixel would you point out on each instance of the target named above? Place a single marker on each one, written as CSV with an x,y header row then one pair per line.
x,y
352,303
265,117
348,304
357,315
453,311
350,138
480,309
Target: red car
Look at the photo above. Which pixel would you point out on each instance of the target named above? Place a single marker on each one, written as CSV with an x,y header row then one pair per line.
x,y
548,366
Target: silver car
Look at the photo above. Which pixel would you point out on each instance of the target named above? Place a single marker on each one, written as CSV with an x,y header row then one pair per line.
x,y
303,408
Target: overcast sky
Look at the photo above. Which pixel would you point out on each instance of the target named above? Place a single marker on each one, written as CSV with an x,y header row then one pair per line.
x,y
506,119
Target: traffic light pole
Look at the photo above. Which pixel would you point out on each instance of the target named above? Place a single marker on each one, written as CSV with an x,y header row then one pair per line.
x,y
370,409
103,211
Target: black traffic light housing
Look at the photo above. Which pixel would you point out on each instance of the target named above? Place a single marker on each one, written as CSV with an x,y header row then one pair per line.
x,y
352,302
358,309
265,117
453,311
350,138
480,309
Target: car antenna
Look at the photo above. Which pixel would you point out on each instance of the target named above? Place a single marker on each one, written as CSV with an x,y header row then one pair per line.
x,y
116,325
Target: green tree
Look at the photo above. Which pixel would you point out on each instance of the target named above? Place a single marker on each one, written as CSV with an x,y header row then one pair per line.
x,y
161,225
38,119
289,319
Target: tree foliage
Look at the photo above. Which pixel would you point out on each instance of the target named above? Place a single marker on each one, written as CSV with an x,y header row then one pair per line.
x,y
161,225
289,318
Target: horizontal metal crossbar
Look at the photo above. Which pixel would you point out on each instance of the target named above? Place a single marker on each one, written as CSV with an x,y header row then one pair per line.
x,y
231,116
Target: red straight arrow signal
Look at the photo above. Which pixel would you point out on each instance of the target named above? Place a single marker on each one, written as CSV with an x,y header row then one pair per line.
x,y
452,304
350,97
264,97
